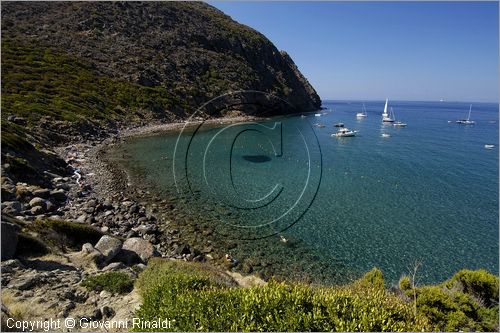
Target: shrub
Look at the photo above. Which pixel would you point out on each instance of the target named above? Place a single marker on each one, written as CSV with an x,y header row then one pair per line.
x,y
114,282
199,299
479,283
405,283
373,279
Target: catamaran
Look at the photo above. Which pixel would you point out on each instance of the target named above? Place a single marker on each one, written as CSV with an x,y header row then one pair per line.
x,y
466,121
362,114
385,116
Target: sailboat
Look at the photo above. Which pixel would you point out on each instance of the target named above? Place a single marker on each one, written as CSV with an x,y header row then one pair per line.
x,y
397,123
362,114
466,121
385,116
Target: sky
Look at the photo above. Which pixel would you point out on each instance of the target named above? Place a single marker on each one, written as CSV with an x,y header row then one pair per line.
x,y
373,50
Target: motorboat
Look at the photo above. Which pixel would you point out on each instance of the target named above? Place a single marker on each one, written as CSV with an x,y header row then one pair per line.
x,y
489,146
339,125
319,125
344,132
317,114
385,135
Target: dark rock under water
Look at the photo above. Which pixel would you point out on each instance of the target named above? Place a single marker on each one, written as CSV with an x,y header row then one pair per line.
x,y
257,158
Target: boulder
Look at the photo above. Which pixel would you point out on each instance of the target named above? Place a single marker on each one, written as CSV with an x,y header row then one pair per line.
x,y
37,202
109,247
9,240
115,266
37,210
11,207
42,193
137,250
87,248
58,195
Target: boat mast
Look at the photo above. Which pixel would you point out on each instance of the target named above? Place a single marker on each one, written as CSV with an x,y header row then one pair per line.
x,y
470,109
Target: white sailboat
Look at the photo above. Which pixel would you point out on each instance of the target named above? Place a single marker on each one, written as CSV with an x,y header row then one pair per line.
x,y
362,114
397,123
385,116
466,121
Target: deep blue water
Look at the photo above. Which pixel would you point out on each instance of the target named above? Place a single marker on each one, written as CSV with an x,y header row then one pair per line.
x,y
428,192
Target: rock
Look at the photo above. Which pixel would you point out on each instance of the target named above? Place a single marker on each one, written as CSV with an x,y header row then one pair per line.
x,y
58,195
114,267
50,207
11,207
42,193
37,202
146,229
107,312
26,282
87,248
183,249
18,120
104,294
137,250
109,247
9,240
37,210
81,218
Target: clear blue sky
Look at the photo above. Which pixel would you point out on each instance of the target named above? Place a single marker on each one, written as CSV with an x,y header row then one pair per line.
x,y
404,51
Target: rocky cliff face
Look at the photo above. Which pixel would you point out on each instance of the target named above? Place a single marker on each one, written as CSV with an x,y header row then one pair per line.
x,y
192,50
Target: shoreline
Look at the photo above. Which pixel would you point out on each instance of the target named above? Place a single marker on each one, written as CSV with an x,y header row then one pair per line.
x,y
158,129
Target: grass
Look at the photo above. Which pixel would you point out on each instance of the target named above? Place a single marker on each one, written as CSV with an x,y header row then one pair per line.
x,y
63,234
19,309
114,282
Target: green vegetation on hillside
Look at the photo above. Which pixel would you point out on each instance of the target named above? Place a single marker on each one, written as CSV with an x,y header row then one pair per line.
x,y
39,82
114,282
200,299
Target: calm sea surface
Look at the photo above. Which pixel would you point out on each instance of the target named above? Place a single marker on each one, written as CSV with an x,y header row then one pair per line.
x,y
428,192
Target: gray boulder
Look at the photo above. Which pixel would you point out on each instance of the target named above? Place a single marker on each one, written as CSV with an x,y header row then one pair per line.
x,y
137,250
37,202
109,247
9,240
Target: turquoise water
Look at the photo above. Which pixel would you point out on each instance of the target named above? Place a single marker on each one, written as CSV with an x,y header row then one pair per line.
x,y
428,192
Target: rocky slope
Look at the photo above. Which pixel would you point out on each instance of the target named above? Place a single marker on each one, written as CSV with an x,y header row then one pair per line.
x,y
192,50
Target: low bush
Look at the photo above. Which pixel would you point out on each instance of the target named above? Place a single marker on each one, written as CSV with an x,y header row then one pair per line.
x,y
199,299
466,302
114,282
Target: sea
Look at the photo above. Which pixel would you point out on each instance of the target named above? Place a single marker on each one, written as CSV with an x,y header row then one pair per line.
x,y
425,194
